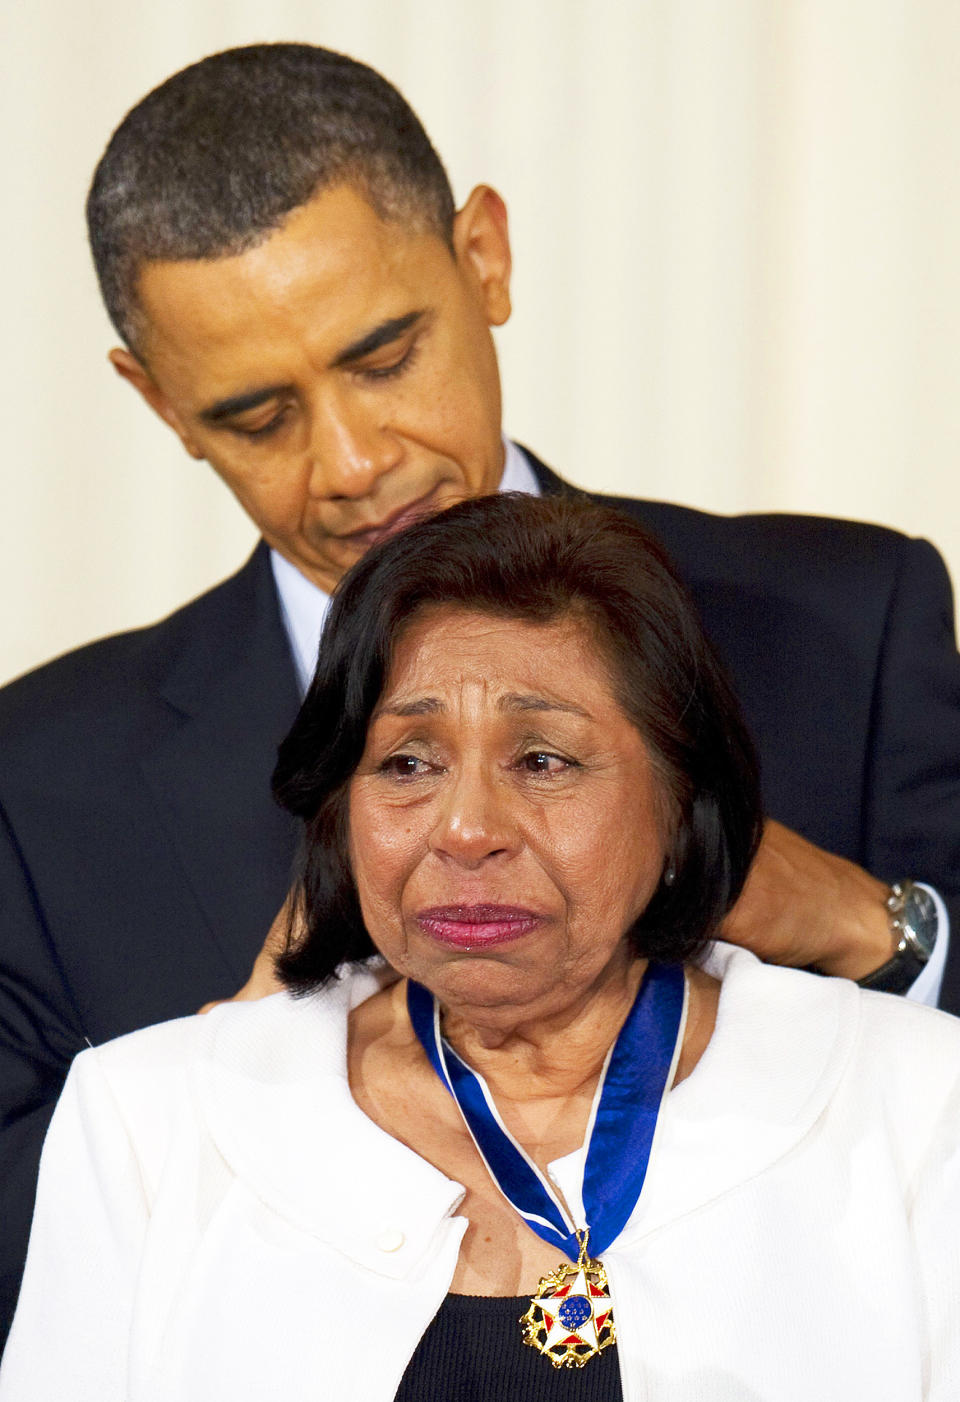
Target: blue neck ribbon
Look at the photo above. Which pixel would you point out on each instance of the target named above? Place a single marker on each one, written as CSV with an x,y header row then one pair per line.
x,y
633,1083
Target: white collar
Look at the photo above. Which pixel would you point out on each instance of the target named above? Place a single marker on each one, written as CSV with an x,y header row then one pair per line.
x,y
274,1092
518,475
303,607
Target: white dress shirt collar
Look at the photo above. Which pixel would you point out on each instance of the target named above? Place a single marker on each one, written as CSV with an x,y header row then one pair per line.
x,y
303,606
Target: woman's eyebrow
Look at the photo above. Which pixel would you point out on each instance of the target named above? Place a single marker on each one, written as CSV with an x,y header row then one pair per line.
x,y
512,701
422,706
529,701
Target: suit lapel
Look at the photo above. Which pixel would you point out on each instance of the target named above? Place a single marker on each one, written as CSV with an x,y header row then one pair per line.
x,y
231,694
549,483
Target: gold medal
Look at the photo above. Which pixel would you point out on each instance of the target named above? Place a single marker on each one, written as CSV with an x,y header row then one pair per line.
x,y
570,1319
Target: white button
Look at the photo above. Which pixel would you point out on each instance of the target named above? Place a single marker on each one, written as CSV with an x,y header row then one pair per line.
x,y
391,1240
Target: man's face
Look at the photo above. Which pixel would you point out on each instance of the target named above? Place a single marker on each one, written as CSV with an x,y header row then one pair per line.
x,y
341,376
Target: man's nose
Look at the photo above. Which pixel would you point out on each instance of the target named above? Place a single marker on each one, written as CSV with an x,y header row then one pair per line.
x,y
476,820
350,449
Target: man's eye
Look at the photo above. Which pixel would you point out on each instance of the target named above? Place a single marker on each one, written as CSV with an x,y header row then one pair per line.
x,y
396,368
544,762
261,430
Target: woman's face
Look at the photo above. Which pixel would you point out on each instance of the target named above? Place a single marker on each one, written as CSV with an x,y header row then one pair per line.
x,y
504,828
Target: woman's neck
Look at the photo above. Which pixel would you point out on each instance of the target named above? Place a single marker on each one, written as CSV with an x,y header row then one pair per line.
x,y
542,1076
563,1054
552,1054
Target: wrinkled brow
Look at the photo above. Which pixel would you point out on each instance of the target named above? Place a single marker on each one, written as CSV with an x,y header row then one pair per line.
x,y
512,701
424,706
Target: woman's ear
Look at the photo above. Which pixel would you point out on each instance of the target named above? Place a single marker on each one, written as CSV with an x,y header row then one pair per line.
x,y
481,244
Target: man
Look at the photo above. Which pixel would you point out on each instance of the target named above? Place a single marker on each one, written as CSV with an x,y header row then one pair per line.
x,y
278,249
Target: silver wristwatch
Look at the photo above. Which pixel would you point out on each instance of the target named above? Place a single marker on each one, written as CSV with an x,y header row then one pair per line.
x,y
913,924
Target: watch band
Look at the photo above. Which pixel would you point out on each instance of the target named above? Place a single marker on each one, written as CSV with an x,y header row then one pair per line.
x,y
913,925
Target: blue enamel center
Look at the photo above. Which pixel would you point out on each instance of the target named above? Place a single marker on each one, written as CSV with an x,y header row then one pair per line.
x,y
574,1311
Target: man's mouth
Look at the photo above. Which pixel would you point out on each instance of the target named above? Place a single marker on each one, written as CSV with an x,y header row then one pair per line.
x,y
397,521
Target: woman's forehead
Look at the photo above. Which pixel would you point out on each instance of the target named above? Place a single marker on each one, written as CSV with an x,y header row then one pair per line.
x,y
444,649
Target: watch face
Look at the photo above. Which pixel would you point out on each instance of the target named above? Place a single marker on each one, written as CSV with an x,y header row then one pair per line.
x,y
919,921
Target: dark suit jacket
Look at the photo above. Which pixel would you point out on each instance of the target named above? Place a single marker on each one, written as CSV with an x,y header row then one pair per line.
x,y
142,858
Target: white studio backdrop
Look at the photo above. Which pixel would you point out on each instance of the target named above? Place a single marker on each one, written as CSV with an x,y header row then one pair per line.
x,y
735,229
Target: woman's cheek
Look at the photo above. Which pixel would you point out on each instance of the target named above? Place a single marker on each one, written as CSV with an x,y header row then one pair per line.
x,y
385,849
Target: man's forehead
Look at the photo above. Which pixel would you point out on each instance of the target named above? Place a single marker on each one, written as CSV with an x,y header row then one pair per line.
x,y
332,275
334,233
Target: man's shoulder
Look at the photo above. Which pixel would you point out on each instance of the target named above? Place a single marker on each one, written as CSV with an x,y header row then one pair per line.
x,y
115,672
787,541
708,544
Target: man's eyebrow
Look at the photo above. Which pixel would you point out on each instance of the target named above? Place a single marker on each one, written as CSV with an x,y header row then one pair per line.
x,y
240,403
527,701
381,335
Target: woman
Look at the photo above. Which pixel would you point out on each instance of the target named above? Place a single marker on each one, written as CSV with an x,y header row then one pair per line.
x,y
543,1145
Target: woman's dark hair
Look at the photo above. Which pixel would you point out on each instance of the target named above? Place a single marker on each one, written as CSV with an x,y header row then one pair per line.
x,y
536,560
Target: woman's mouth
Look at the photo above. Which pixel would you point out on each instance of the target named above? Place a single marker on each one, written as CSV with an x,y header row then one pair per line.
x,y
477,926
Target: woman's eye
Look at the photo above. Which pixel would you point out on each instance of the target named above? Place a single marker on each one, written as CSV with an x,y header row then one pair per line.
x,y
404,767
543,762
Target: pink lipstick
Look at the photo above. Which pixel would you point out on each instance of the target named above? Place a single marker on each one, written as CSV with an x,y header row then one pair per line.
x,y
477,926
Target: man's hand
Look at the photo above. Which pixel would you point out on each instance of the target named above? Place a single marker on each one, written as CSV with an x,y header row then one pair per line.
x,y
263,978
802,906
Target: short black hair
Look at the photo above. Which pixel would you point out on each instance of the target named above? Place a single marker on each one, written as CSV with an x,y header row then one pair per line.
x,y
213,160
536,560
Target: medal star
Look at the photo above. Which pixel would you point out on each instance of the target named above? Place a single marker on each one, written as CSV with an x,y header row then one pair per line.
x,y
585,1332
601,1305
570,1319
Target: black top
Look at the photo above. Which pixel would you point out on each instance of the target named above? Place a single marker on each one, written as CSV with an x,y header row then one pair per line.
x,y
473,1351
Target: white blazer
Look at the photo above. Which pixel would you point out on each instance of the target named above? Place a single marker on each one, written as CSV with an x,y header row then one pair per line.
x,y
217,1221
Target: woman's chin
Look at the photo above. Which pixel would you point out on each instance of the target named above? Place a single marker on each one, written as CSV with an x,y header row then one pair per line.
x,y
479,982
495,996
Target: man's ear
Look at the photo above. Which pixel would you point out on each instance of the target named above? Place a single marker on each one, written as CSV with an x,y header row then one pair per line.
x,y
481,243
129,368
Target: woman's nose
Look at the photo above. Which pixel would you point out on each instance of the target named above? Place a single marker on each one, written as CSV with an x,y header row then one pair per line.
x,y
476,821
